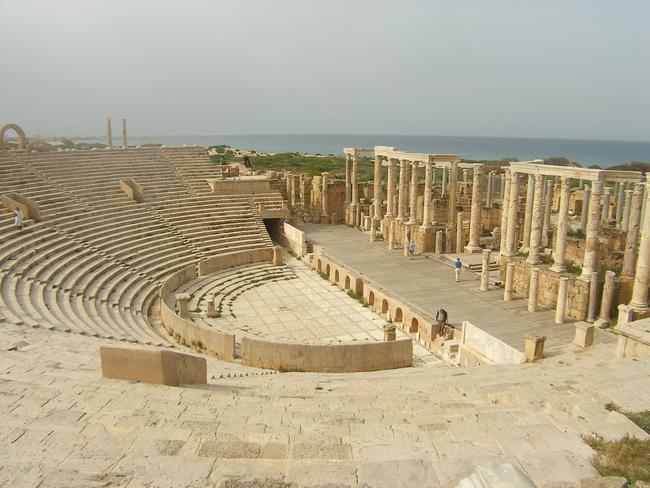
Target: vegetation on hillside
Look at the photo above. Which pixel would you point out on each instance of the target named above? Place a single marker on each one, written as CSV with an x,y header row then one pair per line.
x,y
312,164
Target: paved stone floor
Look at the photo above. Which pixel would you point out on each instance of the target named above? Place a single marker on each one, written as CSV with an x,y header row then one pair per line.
x,y
65,426
429,284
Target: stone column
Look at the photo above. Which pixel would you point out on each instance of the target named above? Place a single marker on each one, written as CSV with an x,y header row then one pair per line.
x,y
475,217
548,205
405,241
502,184
124,144
591,242
512,215
439,240
505,202
289,182
620,197
606,300
428,182
465,175
403,190
626,210
109,134
183,304
413,195
453,195
348,178
324,178
390,192
559,265
604,217
593,298
642,276
391,235
560,309
377,198
373,230
536,222
459,233
529,213
510,274
532,290
490,189
355,181
443,190
586,201
485,270
632,238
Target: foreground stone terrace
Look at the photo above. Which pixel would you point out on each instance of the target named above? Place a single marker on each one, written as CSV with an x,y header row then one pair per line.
x,y
63,425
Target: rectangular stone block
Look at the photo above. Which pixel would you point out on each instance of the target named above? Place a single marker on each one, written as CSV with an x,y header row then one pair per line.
x,y
534,349
150,365
584,334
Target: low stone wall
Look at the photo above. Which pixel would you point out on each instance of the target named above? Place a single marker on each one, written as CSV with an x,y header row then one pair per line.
x,y
478,347
633,339
29,207
294,239
132,190
234,259
327,358
236,187
149,365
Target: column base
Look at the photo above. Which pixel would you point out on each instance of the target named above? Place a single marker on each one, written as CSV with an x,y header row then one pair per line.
x,y
412,222
473,249
509,254
558,268
534,261
602,323
586,276
426,226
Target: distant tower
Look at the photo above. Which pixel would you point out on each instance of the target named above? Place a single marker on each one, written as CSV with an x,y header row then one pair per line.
x,y
124,133
109,133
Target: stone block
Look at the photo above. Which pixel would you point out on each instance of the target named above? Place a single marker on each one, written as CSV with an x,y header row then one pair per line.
x,y
389,333
150,365
534,348
584,335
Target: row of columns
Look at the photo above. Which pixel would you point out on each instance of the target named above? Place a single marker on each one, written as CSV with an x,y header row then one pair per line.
x,y
109,133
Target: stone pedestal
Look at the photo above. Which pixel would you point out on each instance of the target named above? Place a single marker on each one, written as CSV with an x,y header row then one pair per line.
x,y
510,274
584,335
532,290
277,256
534,348
183,300
212,309
390,333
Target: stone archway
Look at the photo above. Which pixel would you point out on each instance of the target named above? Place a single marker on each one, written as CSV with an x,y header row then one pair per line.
x,y
398,314
414,325
336,276
384,306
371,298
22,140
319,265
347,283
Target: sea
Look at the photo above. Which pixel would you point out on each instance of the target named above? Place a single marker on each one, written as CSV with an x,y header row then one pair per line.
x,y
586,152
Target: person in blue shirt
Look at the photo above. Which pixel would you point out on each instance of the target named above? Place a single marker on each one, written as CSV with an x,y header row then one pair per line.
x,y
411,249
457,267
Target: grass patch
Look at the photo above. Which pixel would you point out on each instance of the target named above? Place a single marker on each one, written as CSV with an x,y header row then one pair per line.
x,y
628,457
573,269
290,369
315,165
578,234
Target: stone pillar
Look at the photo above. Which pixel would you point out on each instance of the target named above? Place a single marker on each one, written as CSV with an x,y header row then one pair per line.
x,y
626,210
530,191
559,265
413,195
405,241
124,144
632,238
591,242
377,197
439,240
485,270
619,204
584,335
277,256
459,233
560,309
465,175
548,205
536,222
355,181
586,201
390,192
428,182
403,192
183,302
348,178
443,190
534,347
289,182
604,217
109,134
373,230
532,290
510,274
294,189
324,178
606,300
453,195
475,217
505,202
502,185
593,298
391,235
490,190
512,215
212,309
639,300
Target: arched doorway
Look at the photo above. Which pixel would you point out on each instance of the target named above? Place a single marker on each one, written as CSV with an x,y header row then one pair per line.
x,y
347,283
327,270
398,315
414,325
319,265
22,140
336,276
371,298
384,306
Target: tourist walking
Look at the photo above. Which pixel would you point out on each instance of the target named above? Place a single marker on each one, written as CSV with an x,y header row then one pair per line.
x,y
458,265
18,218
411,249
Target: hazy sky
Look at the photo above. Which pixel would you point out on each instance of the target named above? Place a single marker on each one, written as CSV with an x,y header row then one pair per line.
x,y
554,68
